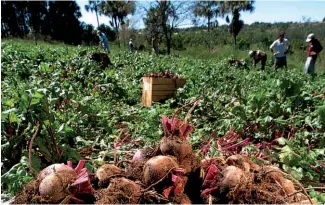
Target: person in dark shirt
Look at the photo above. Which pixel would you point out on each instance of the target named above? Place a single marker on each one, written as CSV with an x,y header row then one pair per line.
x,y
258,56
313,50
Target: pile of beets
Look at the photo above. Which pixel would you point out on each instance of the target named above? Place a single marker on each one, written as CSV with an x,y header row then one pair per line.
x,y
170,172
163,74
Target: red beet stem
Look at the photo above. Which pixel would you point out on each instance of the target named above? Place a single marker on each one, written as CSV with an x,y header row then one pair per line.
x,y
164,120
79,181
244,142
206,192
211,177
76,200
80,165
178,171
167,191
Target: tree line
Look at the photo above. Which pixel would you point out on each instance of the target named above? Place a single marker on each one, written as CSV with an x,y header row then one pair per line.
x,y
59,20
55,20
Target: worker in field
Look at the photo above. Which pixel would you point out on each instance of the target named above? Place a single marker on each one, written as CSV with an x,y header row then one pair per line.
x,y
131,47
314,49
257,56
103,41
279,49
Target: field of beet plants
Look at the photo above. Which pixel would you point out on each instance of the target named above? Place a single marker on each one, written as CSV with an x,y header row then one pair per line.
x,y
224,132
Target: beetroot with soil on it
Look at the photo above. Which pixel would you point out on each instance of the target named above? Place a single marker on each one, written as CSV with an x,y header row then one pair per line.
x,y
175,142
157,167
119,191
105,172
56,168
143,155
54,187
59,182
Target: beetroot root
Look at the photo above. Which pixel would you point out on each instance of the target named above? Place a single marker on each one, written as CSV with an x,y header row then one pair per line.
x,y
119,191
106,171
143,155
240,161
190,163
54,187
232,176
157,167
56,168
175,146
275,174
181,198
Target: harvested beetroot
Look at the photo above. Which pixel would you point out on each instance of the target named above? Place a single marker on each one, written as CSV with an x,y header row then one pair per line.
x,y
228,183
190,163
176,147
239,161
56,168
176,142
54,187
105,172
134,170
60,183
119,191
181,198
157,167
163,74
231,177
275,174
142,155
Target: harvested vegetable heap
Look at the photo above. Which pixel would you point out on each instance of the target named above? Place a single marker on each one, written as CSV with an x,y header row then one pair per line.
x,y
164,74
170,172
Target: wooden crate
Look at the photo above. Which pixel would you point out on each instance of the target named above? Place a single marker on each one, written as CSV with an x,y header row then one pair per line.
x,y
156,89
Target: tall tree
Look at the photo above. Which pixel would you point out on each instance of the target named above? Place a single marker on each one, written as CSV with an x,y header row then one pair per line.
x,y
170,14
59,19
92,6
89,35
118,11
324,20
37,11
9,25
206,9
153,29
234,8
63,21
13,18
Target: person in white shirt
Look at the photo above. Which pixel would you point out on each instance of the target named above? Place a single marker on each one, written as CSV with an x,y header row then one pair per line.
x,y
131,47
104,41
279,49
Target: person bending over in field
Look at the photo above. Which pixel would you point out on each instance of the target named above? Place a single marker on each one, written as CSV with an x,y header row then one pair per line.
x,y
313,50
258,56
103,41
279,49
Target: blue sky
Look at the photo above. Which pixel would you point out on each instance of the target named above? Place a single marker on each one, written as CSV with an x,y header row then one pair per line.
x,y
265,11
